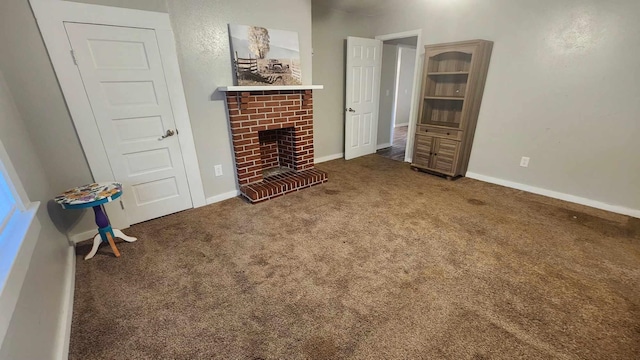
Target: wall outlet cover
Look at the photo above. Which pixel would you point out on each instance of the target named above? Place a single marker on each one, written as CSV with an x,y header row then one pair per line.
x,y
524,161
218,170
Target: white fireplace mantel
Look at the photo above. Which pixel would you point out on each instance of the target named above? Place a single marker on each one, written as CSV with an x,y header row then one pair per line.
x,y
271,88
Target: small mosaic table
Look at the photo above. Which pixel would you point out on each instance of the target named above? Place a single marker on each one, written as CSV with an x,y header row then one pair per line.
x,y
94,196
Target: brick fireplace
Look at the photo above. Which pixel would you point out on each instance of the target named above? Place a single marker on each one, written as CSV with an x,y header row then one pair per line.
x,y
272,134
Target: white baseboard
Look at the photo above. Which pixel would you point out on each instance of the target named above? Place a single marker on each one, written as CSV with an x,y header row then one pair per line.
x,y
382,146
85,235
223,196
557,195
399,125
66,312
328,158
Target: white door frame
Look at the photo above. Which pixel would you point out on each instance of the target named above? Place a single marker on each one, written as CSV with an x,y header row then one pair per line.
x,y
51,16
408,153
396,88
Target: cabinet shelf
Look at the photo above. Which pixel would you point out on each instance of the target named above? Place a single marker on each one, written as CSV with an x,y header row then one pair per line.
x,y
458,98
438,73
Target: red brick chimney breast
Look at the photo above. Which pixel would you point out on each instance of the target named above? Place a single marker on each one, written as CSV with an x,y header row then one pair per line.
x,y
273,129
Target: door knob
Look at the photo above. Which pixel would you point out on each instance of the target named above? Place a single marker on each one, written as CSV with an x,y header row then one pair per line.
x,y
350,110
169,133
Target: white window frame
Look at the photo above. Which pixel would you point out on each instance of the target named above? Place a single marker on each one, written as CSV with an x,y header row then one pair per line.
x,y
8,172
6,195
18,238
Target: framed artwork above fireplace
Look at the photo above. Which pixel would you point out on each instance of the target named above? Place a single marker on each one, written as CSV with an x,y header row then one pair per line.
x,y
265,57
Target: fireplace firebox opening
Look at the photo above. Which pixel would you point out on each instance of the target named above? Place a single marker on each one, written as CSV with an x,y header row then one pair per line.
x,y
277,148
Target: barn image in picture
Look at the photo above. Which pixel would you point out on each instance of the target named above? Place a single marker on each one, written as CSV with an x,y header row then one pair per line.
x,y
264,56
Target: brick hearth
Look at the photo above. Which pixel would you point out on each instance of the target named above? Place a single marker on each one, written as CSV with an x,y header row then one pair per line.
x,y
273,131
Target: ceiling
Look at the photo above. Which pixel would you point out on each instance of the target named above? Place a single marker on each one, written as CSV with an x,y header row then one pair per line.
x,y
368,7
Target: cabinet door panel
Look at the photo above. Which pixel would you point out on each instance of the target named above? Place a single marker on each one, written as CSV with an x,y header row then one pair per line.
x,y
424,148
446,155
422,160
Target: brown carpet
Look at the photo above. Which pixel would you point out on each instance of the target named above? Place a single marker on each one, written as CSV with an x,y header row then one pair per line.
x,y
380,262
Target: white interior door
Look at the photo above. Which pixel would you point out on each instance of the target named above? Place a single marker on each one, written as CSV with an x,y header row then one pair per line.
x,y
123,77
364,64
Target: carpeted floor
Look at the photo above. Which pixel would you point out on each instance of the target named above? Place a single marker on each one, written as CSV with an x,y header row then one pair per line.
x,y
379,263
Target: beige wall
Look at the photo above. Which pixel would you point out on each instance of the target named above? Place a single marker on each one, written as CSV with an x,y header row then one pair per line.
x,y
36,320
330,30
561,88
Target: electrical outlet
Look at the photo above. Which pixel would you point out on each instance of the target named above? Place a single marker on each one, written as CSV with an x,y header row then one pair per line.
x,y
218,169
524,162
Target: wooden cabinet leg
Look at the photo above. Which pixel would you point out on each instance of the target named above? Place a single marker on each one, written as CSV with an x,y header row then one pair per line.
x,y
113,244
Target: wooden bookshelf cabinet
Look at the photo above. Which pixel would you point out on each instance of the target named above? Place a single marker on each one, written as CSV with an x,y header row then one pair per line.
x,y
453,82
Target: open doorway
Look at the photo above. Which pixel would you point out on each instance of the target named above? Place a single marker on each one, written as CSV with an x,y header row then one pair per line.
x,y
396,95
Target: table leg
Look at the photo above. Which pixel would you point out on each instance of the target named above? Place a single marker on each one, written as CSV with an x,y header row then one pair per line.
x,y
104,228
97,240
119,234
113,245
